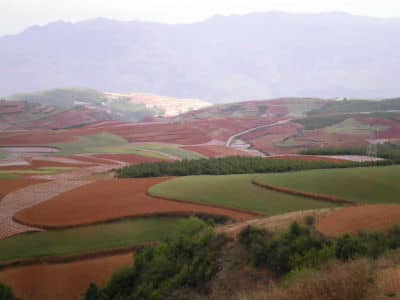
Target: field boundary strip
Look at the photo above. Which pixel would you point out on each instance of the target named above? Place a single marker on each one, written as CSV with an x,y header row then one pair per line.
x,y
70,258
320,197
255,214
172,214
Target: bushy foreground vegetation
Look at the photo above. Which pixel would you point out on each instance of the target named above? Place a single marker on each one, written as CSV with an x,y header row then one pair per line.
x,y
354,280
159,272
6,293
187,265
226,165
301,247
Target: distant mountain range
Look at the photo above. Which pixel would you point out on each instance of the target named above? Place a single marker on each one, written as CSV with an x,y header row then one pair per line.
x,y
255,56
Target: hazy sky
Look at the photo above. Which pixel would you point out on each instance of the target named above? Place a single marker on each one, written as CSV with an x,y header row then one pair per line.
x,y
16,15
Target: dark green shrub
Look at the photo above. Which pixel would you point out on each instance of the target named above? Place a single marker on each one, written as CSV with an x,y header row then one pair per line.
x,y
348,247
189,261
309,220
6,293
281,252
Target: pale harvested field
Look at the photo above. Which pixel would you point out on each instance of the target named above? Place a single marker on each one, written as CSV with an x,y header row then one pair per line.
x,y
275,223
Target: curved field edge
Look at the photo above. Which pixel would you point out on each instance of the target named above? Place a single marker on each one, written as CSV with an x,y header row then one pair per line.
x,y
171,215
360,185
90,204
91,239
233,191
315,196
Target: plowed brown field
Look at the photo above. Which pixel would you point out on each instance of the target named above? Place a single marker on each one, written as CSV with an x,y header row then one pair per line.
x,y
112,199
353,219
8,186
62,281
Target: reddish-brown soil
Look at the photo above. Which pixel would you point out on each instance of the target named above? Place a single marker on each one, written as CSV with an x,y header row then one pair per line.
x,y
359,218
112,199
62,281
185,133
8,186
215,151
309,158
36,164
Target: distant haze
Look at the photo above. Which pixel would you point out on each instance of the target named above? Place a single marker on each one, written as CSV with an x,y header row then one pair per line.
x,y
260,55
16,15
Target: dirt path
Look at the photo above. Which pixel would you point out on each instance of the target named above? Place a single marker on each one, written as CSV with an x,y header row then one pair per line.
x,y
246,147
236,135
38,193
27,197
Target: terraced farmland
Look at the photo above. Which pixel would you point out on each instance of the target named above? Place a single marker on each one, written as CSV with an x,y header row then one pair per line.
x,y
94,238
233,191
367,185
106,200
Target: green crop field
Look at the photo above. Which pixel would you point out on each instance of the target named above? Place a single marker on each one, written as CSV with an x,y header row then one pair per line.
x,y
107,143
170,150
39,171
364,185
95,238
351,126
233,191
4,176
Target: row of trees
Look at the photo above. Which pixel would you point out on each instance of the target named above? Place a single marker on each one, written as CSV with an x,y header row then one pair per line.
x,y
226,165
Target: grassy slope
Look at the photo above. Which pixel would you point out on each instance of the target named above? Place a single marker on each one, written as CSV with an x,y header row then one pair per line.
x,y
107,143
351,126
233,191
171,150
103,143
39,171
94,238
365,185
4,176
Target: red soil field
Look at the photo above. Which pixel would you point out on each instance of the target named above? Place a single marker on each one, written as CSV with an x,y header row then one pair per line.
x,y
216,151
111,199
353,219
8,186
392,131
278,110
185,133
62,281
